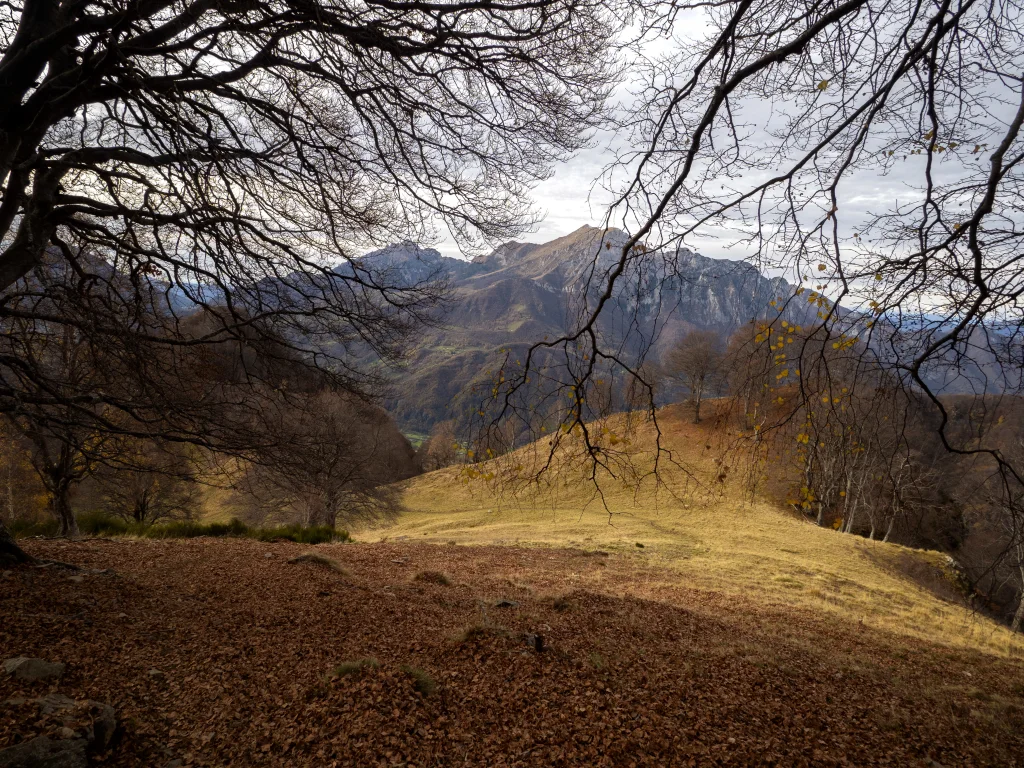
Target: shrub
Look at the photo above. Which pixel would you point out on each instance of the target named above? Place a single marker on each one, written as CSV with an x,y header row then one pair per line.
x,y
22,528
103,524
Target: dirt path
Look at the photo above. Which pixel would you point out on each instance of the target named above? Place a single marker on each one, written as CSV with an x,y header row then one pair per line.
x,y
219,652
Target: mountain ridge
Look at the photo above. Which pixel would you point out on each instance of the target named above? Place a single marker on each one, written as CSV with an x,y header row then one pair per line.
x,y
519,293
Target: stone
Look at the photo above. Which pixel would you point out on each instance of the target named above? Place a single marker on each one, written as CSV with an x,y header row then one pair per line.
x,y
32,670
506,604
104,729
44,752
156,674
174,764
55,702
269,555
535,641
67,733
77,578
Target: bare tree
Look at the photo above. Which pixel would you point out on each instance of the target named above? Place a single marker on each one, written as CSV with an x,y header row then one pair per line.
x,y
442,447
337,465
697,362
148,482
162,159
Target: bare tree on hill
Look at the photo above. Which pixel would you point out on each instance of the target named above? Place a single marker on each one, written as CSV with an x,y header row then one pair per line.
x,y
337,464
697,362
158,159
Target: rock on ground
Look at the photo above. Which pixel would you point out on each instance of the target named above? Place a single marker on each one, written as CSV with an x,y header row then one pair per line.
x,y
44,752
32,670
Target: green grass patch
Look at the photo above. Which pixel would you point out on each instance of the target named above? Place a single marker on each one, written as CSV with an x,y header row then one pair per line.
x,y
101,524
421,680
356,667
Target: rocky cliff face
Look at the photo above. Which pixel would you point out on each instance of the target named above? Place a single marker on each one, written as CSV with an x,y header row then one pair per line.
x,y
521,292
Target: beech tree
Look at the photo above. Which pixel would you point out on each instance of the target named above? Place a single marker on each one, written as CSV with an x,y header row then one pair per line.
x,y
149,482
163,158
336,464
697,361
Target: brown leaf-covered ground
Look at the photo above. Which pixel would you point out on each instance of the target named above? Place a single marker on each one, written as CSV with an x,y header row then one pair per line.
x,y
220,652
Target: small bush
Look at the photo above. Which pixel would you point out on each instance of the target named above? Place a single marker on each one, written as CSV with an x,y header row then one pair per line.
x,y
356,667
316,558
421,681
433,577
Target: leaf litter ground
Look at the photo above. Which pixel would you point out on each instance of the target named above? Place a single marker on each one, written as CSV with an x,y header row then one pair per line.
x,y
222,652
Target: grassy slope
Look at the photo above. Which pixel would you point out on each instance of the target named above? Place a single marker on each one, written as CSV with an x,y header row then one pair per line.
x,y
717,541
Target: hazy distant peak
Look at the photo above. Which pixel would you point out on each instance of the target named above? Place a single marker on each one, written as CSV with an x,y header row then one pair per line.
x,y
505,254
398,253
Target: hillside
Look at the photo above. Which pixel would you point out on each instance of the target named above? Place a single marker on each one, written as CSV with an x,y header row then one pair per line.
x,y
695,626
522,292
712,537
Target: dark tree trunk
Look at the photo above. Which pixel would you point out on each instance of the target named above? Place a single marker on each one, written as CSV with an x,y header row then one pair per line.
x,y
10,552
65,515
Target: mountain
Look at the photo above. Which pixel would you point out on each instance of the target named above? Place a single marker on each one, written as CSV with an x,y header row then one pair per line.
x,y
521,292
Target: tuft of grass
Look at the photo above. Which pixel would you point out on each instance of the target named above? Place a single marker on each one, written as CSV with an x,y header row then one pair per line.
x,y
356,667
315,558
479,632
421,680
599,662
789,582
561,604
433,577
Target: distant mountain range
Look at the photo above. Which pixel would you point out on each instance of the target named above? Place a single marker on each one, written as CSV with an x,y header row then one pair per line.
x,y
521,292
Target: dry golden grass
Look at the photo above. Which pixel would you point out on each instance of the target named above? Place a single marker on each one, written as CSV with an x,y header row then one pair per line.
x,y
708,536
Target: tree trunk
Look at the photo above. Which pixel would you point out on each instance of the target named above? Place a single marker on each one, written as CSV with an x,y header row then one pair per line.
x,y
65,515
888,531
10,552
1018,617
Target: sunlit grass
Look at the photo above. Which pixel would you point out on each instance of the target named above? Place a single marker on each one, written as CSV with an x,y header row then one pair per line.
x,y
710,537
